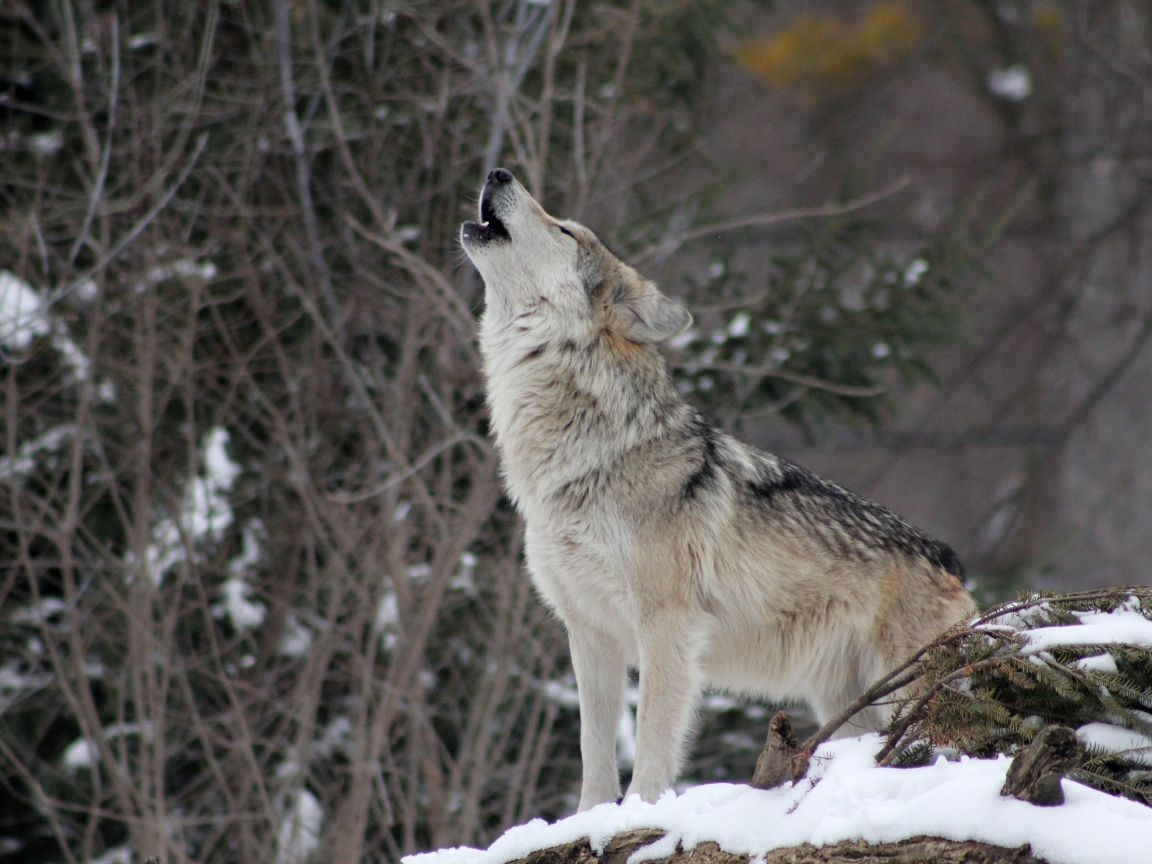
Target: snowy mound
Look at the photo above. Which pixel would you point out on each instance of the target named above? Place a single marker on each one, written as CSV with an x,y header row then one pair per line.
x,y
845,797
1085,658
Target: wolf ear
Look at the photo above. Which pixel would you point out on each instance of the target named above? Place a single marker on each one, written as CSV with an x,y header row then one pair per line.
x,y
649,316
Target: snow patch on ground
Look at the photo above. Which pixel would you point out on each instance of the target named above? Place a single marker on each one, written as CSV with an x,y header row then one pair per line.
x,y
847,797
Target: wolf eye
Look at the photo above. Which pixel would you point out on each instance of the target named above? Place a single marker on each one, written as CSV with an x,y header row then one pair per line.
x,y
564,230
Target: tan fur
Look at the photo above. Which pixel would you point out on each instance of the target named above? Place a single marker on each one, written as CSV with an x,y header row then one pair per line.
x,y
659,541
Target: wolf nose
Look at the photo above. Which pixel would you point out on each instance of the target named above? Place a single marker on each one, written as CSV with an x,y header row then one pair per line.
x,y
499,175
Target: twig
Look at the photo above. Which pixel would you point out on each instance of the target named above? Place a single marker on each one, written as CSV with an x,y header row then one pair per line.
x,y
70,286
509,79
771,219
795,378
607,124
283,29
892,748
407,472
451,306
898,678
102,173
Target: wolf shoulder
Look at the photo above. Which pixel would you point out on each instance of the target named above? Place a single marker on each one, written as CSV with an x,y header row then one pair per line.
x,y
765,493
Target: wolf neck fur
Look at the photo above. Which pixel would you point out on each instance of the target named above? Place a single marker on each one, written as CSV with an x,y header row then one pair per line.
x,y
556,406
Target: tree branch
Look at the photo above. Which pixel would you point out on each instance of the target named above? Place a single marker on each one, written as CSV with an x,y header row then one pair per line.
x,y
663,250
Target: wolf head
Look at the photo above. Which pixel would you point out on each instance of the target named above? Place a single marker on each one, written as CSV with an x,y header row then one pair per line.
x,y
558,273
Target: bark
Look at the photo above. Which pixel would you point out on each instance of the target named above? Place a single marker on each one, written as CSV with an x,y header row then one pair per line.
x,y
1036,771
777,762
915,850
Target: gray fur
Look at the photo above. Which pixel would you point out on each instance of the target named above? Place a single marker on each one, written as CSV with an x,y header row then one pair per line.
x,y
661,542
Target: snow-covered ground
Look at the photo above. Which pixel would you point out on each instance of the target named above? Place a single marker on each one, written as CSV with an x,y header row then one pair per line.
x,y
846,797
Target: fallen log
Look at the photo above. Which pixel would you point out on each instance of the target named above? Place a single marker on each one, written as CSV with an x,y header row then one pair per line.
x,y
915,850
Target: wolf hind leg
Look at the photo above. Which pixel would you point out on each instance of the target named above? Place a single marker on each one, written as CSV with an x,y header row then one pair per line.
x,y
598,660
670,680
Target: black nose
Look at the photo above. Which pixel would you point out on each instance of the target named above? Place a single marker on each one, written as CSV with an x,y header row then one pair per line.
x,y
499,175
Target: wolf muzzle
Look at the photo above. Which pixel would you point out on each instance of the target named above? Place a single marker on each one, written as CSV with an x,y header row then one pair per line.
x,y
490,227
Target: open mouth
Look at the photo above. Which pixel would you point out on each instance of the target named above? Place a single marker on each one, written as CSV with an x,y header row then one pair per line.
x,y
489,228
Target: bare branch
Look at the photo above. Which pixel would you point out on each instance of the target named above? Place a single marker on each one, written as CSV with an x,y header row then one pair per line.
x,y
664,249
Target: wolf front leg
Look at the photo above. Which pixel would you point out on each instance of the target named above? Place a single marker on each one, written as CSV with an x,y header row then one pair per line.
x,y
598,660
670,648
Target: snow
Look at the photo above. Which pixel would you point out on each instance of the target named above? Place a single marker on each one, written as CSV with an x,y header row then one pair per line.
x,y
1095,628
387,614
236,602
846,797
563,693
462,579
252,535
337,737
46,143
82,753
23,317
387,620
205,270
914,271
1099,663
119,855
141,40
77,755
20,318
296,639
738,326
300,829
237,605
1116,739
205,515
626,738
41,612
1013,83
222,471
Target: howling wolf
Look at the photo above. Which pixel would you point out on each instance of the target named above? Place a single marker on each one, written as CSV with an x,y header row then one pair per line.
x,y
661,542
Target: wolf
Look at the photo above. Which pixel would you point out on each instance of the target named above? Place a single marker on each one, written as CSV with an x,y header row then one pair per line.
x,y
662,543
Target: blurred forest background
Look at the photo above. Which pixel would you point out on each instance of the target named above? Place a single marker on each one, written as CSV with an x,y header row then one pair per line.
x,y
261,597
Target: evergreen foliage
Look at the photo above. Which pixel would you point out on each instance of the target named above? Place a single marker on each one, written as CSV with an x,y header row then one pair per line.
x,y
990,689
